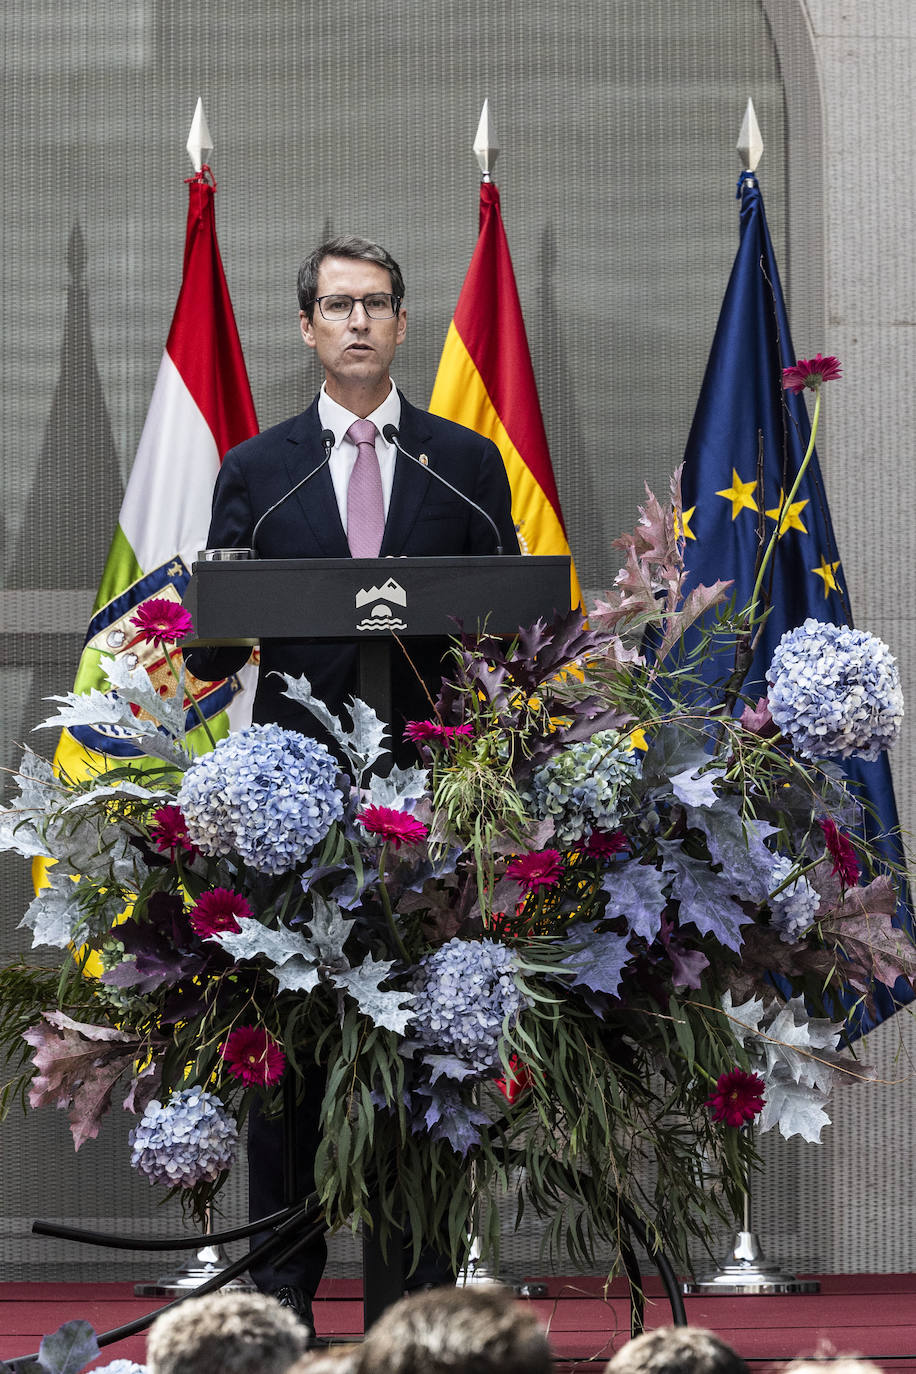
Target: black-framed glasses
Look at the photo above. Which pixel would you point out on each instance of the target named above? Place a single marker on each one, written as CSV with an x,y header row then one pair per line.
x,y
381,305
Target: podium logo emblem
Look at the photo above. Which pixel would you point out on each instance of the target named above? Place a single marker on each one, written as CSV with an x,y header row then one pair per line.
x,y
381,602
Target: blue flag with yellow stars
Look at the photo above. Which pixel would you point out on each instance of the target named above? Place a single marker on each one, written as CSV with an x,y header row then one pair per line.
x,y
750,435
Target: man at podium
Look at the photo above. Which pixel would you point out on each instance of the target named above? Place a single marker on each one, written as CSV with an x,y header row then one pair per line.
x,y
354,474
371,463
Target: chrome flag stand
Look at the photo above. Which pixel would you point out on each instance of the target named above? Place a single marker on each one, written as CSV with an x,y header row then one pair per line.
x,y
747,1270
209,1261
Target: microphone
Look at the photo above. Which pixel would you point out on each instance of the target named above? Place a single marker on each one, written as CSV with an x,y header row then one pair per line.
x,y
391,435
327,439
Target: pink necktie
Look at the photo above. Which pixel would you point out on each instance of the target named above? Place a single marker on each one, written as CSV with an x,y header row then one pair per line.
x,y
365,503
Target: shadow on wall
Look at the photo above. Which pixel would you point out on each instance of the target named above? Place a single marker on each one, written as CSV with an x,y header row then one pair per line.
x,y
559,404
75,500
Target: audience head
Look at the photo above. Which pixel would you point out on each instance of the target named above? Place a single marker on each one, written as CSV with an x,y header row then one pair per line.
x,y
677,1350
336,1359
479,1330
225,1333
843,1364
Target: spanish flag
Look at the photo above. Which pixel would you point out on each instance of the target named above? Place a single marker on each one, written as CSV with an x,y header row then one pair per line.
x,y
486,381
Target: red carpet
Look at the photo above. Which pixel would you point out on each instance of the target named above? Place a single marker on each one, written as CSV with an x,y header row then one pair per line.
x,y
872,1315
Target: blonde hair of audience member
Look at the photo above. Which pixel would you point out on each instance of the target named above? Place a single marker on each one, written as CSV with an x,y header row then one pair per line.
x,y
842,1364
337,1359
677,1350
483,1330
225,1333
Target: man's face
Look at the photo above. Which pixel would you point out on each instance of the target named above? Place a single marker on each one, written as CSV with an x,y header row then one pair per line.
x,y
355,353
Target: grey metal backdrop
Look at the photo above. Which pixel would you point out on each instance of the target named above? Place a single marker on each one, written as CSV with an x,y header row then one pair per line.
x,y
617,120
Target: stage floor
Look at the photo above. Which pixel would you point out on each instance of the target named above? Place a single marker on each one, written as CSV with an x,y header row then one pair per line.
x,y
867,1314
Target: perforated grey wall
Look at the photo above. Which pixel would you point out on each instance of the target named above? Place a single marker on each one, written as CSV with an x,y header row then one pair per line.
x,y
617,120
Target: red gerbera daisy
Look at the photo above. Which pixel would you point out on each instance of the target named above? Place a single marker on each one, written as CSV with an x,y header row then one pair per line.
x,y
539,869
253,1055
845,863
161,621
397,826
169,831
218,911
738,1097
601,844
811,373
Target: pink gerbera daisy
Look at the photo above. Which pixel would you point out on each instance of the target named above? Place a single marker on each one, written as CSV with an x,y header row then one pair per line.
x,y
811,373
539,869
397,826
218,911
161,621
169,831
253,1055
845,863
738,1097
432,732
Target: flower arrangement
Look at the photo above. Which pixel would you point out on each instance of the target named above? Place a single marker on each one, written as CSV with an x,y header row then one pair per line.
x,y
594,932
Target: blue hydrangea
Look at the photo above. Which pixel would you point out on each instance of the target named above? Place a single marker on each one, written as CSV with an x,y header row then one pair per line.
x,y
190,1139
580,788
835,691
465,990
794,909
121,1367
267,793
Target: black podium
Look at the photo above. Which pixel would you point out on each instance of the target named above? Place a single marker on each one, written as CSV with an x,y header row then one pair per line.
x,y
371,602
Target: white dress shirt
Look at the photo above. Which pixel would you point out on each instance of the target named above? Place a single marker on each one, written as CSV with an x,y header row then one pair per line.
x,y
343,455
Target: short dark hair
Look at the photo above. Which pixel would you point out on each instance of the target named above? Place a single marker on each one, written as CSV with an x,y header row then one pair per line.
x,y
677,1350
344,246
484,1330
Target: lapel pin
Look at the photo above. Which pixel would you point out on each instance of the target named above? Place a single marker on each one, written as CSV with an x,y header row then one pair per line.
x,y
424,460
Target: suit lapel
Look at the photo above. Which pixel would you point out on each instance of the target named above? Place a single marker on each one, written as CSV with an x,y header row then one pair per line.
x,y
316,502
410,485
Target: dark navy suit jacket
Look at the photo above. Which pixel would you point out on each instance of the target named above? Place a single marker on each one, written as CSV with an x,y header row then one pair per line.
x,y
424,520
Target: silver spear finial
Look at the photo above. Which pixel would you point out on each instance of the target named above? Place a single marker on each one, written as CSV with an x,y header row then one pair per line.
x,y
200,140
486,149
750,140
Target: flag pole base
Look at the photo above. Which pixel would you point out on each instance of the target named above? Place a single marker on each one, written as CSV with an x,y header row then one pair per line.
x,y
477,1273
748,1272
209,1261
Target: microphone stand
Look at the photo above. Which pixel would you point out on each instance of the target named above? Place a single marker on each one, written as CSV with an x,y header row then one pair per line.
x,y
391,435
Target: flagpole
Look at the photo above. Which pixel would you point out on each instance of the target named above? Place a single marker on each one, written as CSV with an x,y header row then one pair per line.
x,y
747,1271
211,1259
476,1270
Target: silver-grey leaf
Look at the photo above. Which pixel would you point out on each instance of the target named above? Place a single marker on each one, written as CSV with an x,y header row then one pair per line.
x,y
388,1009
401,785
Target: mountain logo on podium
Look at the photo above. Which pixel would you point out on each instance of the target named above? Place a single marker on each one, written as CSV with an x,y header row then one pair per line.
x,y
381,602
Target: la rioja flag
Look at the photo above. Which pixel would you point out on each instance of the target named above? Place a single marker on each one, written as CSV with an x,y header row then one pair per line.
x,y
201,406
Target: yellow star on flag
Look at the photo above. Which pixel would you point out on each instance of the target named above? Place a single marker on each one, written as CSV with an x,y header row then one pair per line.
x,y
827,572
739,493
789,517
682,523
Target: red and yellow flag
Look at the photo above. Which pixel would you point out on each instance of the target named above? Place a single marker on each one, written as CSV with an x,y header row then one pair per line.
x,y
486,381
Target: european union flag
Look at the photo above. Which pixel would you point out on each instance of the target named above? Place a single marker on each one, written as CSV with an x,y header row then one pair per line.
x,y
749,437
